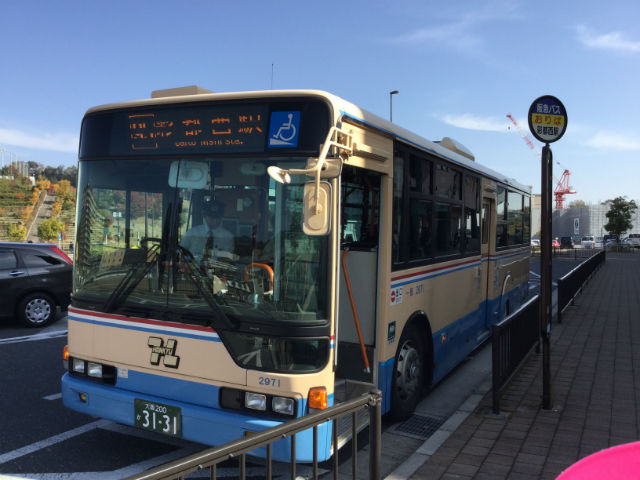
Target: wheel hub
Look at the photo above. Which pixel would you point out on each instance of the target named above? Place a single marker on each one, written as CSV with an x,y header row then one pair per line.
x,y
38,310
408,371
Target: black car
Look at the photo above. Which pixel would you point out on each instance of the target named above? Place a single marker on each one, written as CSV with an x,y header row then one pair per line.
x,y
35,278
566,242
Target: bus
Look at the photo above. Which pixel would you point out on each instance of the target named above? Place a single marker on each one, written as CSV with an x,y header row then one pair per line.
x,y
343,253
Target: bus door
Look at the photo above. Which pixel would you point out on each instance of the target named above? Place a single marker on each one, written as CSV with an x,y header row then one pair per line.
x,y
486,267
357,309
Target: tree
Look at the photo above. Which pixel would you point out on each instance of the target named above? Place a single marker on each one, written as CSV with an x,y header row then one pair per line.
x,y
49,229
577,203
619,215
17,232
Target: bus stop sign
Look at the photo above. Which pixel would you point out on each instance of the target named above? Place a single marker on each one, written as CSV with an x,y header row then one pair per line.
x,y
547,119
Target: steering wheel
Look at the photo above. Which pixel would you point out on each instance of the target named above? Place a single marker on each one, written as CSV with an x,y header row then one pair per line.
x,y
263,266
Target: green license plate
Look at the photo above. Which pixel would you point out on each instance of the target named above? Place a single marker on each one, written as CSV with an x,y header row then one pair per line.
x,y
157,417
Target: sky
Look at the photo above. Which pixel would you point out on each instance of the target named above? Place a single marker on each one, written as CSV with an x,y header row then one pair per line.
x,y
460,67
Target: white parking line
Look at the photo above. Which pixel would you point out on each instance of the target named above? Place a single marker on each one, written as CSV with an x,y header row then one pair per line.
x,y
55,396
34,447
36,337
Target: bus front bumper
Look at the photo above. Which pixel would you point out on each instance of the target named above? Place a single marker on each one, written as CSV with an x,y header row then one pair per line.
x,y
209,426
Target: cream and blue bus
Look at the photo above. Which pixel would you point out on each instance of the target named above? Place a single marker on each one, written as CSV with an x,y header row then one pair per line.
x,y
342,252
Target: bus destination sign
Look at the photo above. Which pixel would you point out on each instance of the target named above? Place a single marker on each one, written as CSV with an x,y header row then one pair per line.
x,y
198,130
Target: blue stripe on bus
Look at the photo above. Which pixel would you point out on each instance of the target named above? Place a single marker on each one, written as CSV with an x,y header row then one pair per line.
x,y
144,329
418,277
426,276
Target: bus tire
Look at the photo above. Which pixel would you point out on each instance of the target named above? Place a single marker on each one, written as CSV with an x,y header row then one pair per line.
x,y
408,373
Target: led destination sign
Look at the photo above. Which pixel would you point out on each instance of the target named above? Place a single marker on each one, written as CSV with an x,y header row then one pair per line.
x,y
222,128
279,127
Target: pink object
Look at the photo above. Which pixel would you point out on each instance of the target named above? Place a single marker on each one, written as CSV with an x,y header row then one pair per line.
x,y
620,462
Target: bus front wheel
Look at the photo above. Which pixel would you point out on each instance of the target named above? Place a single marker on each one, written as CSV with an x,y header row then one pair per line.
x,y
408,374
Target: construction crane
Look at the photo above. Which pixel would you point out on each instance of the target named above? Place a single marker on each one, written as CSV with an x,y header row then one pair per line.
x,y
562,185
562,188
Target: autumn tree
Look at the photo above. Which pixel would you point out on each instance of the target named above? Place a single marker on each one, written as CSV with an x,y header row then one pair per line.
x,y
17,232
619,215
56,208
49,228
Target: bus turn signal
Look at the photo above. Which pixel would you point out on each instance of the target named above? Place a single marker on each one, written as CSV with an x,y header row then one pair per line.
x,y
318,398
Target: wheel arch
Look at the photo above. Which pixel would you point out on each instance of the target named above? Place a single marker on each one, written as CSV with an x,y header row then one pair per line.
x,y
420,320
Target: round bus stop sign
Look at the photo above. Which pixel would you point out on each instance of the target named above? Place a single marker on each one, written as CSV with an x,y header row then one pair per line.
x,y
547,119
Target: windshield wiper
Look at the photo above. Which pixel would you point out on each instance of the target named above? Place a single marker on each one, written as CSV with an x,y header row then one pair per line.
x,y
192,272
133,277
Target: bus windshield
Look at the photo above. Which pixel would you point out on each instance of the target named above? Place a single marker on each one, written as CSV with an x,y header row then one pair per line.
x,y
208,240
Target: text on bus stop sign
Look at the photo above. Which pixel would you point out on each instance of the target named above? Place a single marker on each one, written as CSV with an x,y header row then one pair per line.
x,y
547,119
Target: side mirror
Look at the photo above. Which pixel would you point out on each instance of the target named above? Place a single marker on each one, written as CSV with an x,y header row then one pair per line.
x,y
316,216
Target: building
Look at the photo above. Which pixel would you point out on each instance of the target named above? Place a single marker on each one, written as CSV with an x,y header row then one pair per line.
x,y
577,221
585,220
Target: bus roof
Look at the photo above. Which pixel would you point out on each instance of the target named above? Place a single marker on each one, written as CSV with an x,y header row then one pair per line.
x,y
342,109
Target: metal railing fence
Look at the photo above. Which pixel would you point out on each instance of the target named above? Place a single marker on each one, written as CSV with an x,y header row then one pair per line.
x,y
238,449
511,342
572,283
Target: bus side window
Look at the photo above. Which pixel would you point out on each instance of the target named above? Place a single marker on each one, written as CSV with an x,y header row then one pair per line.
x,y
485,223
360,208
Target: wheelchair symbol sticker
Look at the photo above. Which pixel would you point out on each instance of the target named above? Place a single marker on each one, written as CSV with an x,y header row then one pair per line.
x,y
283,130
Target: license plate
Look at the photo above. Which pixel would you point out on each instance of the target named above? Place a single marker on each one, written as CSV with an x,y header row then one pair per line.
x,y
157,417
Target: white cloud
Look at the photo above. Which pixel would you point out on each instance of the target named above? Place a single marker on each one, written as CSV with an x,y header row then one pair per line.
x,y
608,41
473,122
451,35
39,140
614,141
460,33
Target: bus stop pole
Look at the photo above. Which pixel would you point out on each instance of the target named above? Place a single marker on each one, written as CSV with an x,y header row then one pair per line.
x,y
545,272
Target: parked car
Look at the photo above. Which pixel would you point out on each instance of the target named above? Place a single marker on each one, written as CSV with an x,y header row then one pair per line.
x,y
535,242
566,242
634,240
555,243
35,279
588,242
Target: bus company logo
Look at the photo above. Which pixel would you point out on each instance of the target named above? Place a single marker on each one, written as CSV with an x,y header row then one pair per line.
x,y
165,352
396,295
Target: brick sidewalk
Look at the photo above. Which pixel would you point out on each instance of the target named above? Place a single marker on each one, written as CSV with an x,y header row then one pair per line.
x,y
595,368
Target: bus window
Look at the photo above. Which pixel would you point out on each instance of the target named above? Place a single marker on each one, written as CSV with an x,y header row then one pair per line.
x,y
421,229
360,208
501,218
515,218
398,205
448,226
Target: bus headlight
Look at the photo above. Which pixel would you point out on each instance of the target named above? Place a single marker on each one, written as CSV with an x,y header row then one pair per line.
x,y
255,401
283,405
78,365
94,370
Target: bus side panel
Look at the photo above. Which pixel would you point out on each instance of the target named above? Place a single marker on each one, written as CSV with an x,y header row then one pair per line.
x,y
452,297
509,270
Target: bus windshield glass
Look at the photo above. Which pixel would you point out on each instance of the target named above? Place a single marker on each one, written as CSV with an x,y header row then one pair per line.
x,y
205,240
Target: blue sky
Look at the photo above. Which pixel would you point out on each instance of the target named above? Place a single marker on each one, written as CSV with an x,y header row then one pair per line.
x,y
460,67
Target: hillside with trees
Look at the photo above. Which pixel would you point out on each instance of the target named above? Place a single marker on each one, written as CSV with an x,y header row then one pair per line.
x,y
21,198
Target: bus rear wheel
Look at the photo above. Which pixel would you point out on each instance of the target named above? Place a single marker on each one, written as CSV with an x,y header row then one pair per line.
x,y
408,374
